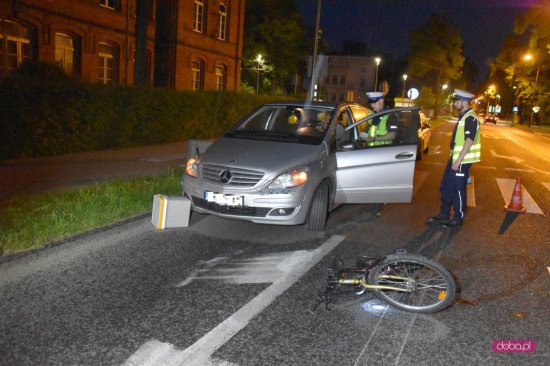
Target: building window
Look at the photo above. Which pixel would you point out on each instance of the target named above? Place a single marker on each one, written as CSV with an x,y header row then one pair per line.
x,y
110,4
334,80
343,80
66,52
197,69
221,77
198,16
15,45
362,82
341,99
222,22
333,97
108,63
327,80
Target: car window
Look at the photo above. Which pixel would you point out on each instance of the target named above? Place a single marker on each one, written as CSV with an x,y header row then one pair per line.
x,y
395,127
294,124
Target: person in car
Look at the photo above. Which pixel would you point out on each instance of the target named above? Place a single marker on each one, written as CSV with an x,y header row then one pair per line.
x,y
465,150
382,130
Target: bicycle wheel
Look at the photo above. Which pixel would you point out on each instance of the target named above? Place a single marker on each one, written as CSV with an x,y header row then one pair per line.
x,y
428,286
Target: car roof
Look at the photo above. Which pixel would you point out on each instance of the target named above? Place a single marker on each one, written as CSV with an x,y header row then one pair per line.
x,y
311,103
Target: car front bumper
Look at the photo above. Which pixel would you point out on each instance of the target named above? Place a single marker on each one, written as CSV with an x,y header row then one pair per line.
x,y
260,204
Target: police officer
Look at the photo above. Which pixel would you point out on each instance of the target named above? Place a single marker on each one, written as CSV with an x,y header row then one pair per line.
x,y
382,130
465,150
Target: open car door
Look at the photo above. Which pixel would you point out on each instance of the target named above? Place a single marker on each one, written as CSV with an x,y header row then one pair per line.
x,y
381,173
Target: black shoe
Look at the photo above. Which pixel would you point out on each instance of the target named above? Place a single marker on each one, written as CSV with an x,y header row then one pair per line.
x,y
452,224
437,219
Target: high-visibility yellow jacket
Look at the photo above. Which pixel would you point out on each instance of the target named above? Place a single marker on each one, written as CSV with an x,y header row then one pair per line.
x,y
474,155
379,130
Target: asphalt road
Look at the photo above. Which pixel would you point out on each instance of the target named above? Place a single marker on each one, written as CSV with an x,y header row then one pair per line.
x,y
224,292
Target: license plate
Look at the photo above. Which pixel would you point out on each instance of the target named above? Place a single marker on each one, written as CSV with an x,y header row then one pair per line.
x,y
223,199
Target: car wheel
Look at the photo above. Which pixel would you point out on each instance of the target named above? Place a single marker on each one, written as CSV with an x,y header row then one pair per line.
x,y
318,210
427,149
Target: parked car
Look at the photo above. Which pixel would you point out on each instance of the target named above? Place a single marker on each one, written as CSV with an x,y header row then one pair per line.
x,y
424,136
490,119
292,163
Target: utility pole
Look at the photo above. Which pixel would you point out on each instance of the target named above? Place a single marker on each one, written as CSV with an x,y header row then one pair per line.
x,y
315,51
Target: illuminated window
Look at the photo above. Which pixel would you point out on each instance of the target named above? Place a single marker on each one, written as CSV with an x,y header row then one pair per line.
x,y
15,45
222,22
109,4
221,77
197,74
66,52
198,16
108,63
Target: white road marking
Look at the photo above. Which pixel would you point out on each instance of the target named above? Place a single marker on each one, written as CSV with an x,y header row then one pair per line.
x,y
519,170
434,150
548,268
477,166
547,185
507,189
434,163
199,353
517,160
262,269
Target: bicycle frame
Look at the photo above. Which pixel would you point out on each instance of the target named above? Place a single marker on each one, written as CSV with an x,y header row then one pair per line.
x,y
360,280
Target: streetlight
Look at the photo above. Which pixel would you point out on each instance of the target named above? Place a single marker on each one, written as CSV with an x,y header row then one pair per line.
x,y
444,87
528,57
377,60
260,62
404,82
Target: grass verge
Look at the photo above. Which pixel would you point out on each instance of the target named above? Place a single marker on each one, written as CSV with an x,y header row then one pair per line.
x,y
33,220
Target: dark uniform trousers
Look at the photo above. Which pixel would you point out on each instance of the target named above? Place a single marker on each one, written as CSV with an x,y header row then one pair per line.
x,y
453,191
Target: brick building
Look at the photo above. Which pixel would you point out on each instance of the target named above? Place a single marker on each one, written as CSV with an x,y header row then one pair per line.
x,y
190,44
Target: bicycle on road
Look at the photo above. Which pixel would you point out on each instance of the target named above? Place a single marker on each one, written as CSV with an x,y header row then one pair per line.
x,y
409,282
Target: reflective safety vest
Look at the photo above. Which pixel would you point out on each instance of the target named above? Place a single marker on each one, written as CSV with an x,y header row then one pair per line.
x,y
379,130
474,155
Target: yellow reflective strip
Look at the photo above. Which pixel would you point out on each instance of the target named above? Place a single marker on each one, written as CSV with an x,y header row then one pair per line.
x,y
161,212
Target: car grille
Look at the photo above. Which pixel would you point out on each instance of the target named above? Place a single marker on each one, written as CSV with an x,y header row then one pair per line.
x,y
239,177
230,210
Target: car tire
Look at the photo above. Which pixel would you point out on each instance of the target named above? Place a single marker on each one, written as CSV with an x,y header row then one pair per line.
x,y
318,210
427,149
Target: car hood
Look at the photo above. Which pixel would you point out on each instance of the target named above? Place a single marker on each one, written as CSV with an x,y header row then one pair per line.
x,y
266,156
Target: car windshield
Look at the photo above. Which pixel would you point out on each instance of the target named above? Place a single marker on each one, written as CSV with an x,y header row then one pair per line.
x,y
293,124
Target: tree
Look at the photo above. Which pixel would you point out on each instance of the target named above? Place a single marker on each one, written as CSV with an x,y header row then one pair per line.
x,y
437,53
531,36
273,29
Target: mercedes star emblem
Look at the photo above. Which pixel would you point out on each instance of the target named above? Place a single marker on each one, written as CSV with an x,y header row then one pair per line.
x,y
225,176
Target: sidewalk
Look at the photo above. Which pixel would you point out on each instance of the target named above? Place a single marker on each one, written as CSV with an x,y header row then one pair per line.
x,y
40,175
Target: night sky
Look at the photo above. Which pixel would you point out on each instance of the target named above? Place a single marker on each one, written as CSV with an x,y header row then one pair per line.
x,y
385,24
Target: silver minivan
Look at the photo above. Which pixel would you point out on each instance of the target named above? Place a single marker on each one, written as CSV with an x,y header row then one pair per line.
x,y
290,163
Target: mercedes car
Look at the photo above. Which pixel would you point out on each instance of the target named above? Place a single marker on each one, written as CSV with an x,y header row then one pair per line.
x,y
292,163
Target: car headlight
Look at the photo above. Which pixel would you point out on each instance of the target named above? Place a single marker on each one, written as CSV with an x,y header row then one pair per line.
x,y
192,167
293,178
